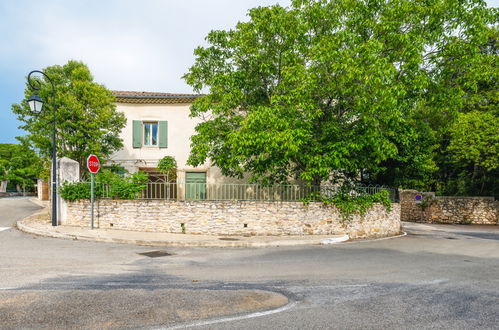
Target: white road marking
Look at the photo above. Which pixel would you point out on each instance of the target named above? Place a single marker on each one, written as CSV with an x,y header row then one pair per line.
x,y
4,228
235,318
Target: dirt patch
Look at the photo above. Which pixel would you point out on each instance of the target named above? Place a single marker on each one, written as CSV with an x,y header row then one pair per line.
x,y
124,308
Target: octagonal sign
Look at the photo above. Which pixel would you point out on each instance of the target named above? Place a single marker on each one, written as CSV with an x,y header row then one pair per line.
x,y
93,164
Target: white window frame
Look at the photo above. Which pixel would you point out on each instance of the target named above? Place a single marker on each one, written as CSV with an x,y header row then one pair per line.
x,y
149,143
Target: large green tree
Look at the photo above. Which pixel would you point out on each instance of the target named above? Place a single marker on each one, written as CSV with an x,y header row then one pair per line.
x,y
474,155
19,166
327,87
465,90
87,120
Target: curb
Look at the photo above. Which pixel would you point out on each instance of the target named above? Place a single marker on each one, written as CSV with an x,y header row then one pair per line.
x,y
214,244
334,240
38,202
236,244
403,233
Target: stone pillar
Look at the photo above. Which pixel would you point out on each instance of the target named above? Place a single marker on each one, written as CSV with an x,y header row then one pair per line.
x,y
68,170
180,185
43,190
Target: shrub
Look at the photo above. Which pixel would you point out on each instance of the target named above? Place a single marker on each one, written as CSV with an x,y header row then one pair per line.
x,y
168,166
72,191
120,186
128,187
349,202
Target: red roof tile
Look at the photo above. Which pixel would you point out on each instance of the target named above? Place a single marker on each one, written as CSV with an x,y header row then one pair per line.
x,y
153,97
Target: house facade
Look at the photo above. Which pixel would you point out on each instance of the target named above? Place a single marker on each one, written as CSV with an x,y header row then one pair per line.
x,y
158,125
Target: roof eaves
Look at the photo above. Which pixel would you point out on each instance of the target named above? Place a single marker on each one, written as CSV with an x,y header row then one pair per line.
x,y
127,96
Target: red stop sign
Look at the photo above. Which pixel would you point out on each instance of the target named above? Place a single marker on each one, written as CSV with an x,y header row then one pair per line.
x,y
93,164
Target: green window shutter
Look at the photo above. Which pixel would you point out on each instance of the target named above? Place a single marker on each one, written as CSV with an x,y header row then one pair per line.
x,y
137,134
163,134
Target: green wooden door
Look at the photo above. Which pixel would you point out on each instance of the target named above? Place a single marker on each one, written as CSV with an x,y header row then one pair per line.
x,y
195,185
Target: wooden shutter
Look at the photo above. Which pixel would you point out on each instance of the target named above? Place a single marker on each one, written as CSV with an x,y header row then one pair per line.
x,y
137,134
163,134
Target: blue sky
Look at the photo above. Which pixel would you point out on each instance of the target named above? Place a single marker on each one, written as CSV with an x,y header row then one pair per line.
x,y
128,44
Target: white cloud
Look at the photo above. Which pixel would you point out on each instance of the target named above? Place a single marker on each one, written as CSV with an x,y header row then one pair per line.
x,y
128,45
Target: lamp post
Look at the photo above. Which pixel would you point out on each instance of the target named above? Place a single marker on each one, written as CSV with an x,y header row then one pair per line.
x,y
36,103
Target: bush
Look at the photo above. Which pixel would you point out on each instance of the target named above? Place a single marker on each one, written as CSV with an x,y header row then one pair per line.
x,y
119,186
128,187
349,202
72,191
349,205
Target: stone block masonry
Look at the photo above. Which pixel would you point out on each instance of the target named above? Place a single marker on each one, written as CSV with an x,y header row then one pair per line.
x,y
445,209
234,218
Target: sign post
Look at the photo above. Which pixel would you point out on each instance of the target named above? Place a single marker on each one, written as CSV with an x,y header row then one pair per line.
x,y
93,165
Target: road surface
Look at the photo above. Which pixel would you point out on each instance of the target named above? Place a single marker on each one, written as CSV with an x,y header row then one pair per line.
x,y
436,277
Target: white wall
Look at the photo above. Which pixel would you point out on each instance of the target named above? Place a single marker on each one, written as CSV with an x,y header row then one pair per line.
x,y
180,128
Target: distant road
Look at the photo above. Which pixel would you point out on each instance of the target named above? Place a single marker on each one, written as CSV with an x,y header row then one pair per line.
x,y
13,209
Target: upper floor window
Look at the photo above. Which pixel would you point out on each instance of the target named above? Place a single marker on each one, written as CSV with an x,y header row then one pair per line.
x,y
150,134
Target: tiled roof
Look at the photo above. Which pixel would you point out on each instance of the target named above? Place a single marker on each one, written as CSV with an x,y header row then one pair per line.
x,y
153,97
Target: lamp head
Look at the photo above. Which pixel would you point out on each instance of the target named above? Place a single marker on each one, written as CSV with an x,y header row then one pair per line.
x,y
35,103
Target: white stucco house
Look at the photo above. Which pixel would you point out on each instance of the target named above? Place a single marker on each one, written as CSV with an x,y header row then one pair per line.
x,y
158,125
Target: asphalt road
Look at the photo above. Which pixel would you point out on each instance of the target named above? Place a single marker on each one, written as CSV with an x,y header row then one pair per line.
x,y
436,277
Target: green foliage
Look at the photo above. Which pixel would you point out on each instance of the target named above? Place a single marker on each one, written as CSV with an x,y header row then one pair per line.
x,y
168,165
427,201
72,191
86,118
19,165
128,187
327,87
467,92
350,202
475,140
115,185
474,154
349,205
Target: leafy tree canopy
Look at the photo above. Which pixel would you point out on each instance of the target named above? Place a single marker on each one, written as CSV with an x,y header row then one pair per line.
x,y
86,118
324,87
465,90
18,165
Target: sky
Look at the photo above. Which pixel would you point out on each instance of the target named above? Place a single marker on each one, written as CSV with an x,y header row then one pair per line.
x,y
130,45
135,45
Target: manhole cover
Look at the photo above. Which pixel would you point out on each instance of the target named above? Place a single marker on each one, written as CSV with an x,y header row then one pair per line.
x,y
451,238
155,254
228,239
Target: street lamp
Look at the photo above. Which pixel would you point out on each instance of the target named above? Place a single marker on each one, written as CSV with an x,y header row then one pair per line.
x,y
36,104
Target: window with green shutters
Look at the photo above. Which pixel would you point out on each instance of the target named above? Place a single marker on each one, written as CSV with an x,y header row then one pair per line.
x,y
137,133
150,133
163,134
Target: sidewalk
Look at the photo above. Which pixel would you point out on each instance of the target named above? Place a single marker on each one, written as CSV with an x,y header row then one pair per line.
x,y
40,224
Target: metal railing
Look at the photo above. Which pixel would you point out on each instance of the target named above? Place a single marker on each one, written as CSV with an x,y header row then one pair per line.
x,y
247,192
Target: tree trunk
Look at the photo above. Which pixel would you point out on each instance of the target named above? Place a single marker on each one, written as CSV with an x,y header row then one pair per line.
x,y
3,185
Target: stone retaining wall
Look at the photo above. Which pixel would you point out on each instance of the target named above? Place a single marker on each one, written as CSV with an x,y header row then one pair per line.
x,y
233,218
445,209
